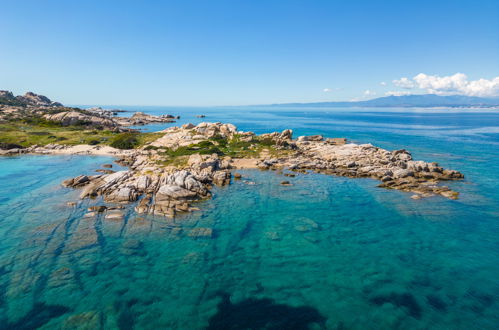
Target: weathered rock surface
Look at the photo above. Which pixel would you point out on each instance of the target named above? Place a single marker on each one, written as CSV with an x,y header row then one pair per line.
x,y
141,118
68,118
395,169
162,191
28,99
35,99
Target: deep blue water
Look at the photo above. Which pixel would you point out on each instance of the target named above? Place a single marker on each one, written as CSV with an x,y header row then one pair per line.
x,y
328,252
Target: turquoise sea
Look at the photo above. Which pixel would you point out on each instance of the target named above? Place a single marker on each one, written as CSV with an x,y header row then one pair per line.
x,y
325,253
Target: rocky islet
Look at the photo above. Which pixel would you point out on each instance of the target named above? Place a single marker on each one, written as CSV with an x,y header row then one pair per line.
x,y
168,190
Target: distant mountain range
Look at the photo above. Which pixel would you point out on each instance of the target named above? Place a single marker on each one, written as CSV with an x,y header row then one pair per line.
x,y
424,100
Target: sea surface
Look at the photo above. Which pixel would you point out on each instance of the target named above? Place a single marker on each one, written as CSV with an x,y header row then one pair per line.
x,y
325,253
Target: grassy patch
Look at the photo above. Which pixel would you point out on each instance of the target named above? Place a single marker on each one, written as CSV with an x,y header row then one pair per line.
x,y
27,135
145,138
37,131
202,148
235,148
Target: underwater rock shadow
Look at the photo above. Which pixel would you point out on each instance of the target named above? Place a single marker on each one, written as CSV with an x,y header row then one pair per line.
x,y
263,313
39,314
405,300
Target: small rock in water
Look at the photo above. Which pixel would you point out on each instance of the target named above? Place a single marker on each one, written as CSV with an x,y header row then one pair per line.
x,y
450,194
237,175
71,203
201,232
97,208
107,165
87,320
132,247
273,235
311,237
302,228
285,183
291,175
416,197
115,215
90,215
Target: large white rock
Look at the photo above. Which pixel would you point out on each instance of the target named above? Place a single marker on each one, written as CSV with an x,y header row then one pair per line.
x,y
168,191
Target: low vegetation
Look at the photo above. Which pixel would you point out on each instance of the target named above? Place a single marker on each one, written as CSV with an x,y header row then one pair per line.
x,y
37,131
235,148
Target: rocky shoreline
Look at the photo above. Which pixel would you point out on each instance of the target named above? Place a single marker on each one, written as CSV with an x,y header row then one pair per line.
x,y
33,105
166,190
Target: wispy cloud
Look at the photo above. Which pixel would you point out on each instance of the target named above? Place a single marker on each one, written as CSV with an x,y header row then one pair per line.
x,y
327,90
397,93
382,83
368,92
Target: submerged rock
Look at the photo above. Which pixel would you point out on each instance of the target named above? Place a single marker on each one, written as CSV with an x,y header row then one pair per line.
x,y
115,215
201,232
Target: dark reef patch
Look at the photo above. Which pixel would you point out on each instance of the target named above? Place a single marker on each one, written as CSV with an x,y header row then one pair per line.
x,y
436,302
254,313
406,300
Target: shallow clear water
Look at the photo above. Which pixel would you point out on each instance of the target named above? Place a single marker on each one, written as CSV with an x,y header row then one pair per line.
x,y
327,252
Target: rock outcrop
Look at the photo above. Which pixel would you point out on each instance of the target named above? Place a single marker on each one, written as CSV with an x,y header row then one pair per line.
x,y
68,118
28,99
395,169
141,118
160,191
38,100
167,190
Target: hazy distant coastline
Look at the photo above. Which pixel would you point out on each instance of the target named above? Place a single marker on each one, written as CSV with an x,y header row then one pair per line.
x,y
409,101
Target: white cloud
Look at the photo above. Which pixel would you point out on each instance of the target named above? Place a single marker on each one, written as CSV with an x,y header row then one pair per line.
x,y
368,92
327,90
397,93
382,83
455,84
404,83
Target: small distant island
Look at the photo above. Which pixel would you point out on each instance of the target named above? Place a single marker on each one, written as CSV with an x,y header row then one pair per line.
x,y
409,101
170,169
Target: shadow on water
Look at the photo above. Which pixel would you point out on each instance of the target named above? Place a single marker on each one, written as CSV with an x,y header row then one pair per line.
x,y
37,316
263,313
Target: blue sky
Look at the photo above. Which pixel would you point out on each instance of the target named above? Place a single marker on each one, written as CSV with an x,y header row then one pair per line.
x,y
246,52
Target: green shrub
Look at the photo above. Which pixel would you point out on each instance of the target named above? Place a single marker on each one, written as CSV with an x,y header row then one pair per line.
x,y
220,140
125,141
6,146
